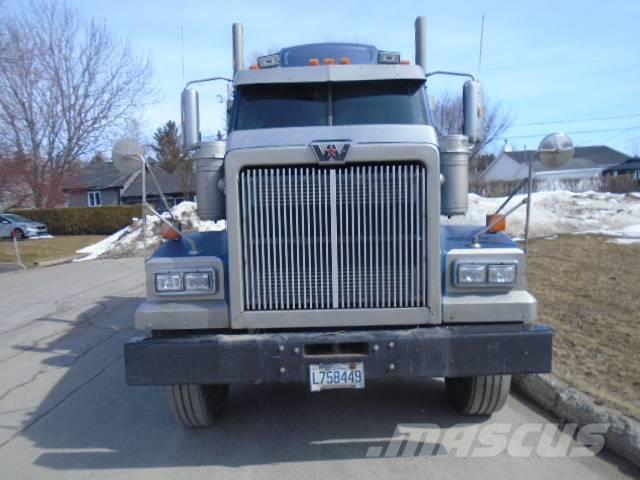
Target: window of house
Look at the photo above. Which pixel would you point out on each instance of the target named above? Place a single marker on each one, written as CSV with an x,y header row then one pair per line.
x,y
95,199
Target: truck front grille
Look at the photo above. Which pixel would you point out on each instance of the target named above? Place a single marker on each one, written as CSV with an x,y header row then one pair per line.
x,y
320,238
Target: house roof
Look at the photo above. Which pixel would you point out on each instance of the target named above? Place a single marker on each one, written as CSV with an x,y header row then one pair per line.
x,y
101,176
170,183
598,156
630,164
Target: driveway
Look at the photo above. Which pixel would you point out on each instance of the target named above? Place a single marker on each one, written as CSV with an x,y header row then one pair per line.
x,y
65,411
9,267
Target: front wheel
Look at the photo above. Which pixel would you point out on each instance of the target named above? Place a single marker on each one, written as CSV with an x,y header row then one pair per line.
x,y
18,234
481,395
196,405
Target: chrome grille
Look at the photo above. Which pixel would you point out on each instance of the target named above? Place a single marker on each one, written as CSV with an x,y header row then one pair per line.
x,y
320,238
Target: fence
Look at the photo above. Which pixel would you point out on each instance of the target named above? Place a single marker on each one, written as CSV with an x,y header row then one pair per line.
x,y
608,183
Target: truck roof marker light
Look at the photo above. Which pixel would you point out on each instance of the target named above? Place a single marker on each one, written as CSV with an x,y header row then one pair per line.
x,y
345,61
405,62
329,61
388,57
253,67
314,61
269,61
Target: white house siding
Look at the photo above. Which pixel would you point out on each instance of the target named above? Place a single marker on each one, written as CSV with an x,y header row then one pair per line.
x,y
504,168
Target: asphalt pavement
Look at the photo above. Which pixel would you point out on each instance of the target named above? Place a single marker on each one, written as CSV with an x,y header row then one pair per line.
x,y
65,411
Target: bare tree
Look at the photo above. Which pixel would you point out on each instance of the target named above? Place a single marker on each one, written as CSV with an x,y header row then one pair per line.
x,y
67,88
448,118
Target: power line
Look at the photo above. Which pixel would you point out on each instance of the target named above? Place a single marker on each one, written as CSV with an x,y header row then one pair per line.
x,y
575,132
576,120
608,139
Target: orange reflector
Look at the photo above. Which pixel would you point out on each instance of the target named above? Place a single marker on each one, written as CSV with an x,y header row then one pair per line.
x,y
405,62
169,233
253,67
500,223
345,61
329,61
314,61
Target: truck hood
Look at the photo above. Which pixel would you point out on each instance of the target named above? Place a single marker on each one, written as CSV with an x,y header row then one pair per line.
x,y
303,136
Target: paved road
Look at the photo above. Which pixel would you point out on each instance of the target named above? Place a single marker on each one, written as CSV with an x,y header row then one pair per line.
x,y
9,267
65,411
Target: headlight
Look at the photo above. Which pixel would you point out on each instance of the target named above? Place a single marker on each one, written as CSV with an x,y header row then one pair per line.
x,y
168,282
199,281
186,282
469,274
486,274
502,274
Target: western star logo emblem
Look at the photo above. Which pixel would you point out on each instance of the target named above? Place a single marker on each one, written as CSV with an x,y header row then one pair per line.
x,y
331,151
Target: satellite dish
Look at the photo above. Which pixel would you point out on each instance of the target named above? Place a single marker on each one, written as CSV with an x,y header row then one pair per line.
x,y
555,150
127,156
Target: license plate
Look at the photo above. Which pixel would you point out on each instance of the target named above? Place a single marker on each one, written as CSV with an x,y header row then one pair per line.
x,y
323,376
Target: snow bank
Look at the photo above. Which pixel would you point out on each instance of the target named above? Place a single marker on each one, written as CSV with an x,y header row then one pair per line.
x,y
552,214
129,240
562,212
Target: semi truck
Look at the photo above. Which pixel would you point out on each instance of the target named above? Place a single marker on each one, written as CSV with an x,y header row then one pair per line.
x,y
335,268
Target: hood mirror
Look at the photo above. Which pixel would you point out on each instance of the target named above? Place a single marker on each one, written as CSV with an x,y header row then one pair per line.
x,y
127,156
555,150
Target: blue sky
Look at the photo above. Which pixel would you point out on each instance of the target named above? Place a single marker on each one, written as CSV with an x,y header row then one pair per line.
x,y
545,61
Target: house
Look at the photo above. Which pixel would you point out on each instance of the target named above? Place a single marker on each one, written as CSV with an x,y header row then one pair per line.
x,y
629,167
587,162
99,184
173,186
103,185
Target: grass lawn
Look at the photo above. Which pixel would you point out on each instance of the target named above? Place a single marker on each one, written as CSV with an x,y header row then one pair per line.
x,y
589,291
33,251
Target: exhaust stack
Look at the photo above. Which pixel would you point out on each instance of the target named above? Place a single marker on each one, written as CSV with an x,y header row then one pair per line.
x,y
190,118
421,42
238,47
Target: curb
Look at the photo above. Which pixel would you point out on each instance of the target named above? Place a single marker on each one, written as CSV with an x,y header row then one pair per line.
x,y
569,404
56,261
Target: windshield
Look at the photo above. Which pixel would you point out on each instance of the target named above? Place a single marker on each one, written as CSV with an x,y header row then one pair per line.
x,y
15,218
314,104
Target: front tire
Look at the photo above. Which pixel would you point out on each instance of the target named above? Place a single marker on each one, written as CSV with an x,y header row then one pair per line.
x,y
196,406
482,395
18,234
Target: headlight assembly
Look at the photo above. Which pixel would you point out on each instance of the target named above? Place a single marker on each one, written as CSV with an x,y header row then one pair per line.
x,y
486,274
185,282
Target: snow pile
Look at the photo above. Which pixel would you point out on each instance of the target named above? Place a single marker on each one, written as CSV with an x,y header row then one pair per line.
x,y
561,212
129,240
552,214
41,237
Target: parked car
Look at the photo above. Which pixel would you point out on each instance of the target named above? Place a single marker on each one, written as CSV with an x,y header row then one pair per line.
x,y
12,224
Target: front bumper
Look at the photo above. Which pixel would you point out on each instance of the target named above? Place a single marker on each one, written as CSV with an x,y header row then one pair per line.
x,y
284,357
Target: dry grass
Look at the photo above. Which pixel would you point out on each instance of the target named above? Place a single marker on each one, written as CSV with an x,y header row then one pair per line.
x,y
589,291
33,251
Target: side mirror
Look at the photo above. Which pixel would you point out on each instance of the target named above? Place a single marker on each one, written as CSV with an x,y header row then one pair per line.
x,y
190,118
473,111
127,156
555,150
